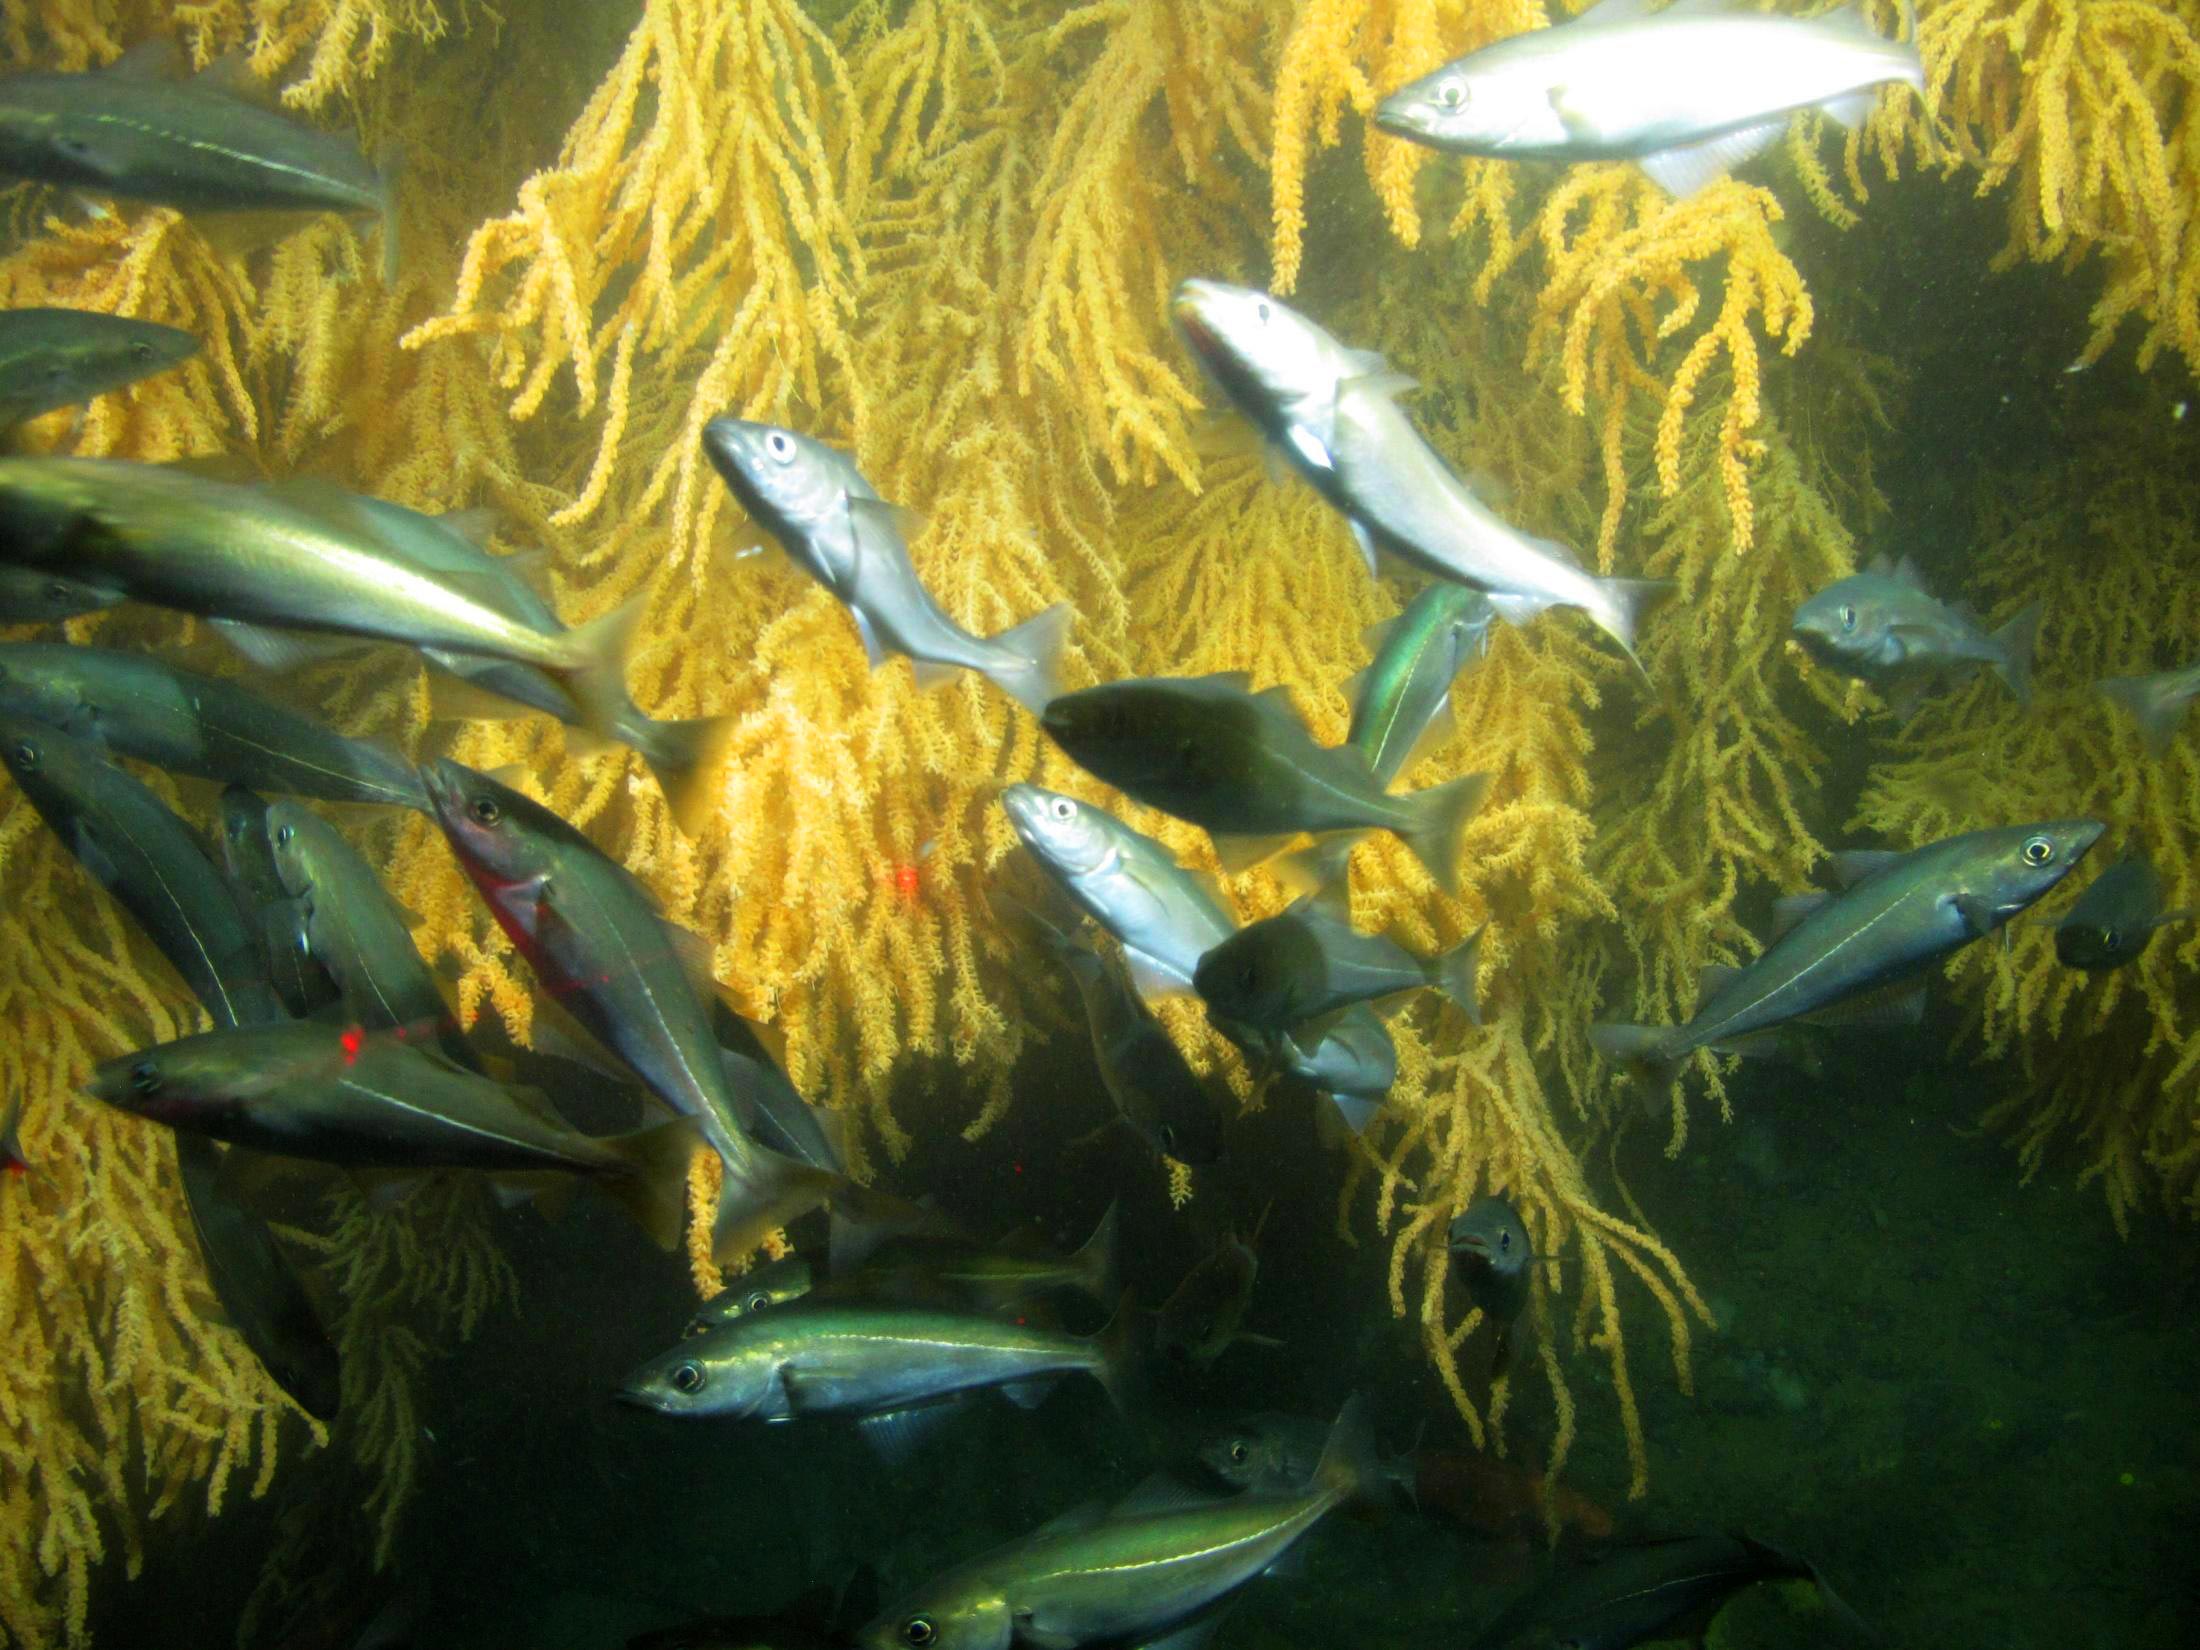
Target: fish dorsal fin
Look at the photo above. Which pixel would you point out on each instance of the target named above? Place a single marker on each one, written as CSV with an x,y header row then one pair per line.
x,y
1366,362
476,525
1616,11
1163,1492
1277,702
1702,8
159,58
905,524
1377,636
1904,571
1790,910
1228,681
1852,865
1084,1516
696,956
1712,979
231,75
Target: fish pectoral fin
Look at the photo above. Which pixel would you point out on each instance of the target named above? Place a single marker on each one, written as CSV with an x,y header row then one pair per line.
x,y
1240,854
1028,1394
1852,865
1977,914
1384,381
873,648
1686,168
899,1433
1571,114
931,674
1366,541
1150,980
1311,448
283,651
1852,109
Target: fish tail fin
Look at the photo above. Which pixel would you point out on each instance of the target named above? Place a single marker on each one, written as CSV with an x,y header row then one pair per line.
x,y
1624,603
1640,1051
763,1192
687,757
1094,1261
2156,712
1455,974
1038,643
1439,823
1350,1468
597,678
1115,1349
2013,644
653,1184
11,1138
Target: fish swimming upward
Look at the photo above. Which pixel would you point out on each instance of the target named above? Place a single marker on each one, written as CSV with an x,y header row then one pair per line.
x,y
1685,93
825,515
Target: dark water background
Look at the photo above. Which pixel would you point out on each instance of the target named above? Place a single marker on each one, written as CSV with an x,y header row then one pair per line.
x,y
1966,1398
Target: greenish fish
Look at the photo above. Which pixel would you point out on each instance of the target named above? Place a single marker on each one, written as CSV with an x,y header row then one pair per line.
x,y
373,1100
600,946
925,1267
53,358
1156,1094
1899,913
31,595
850,1357
1205,1316
1491,1255
1244,767
1634,1594
1333,412
830,520
2157,703
1399,701
190,144
1308,962
135,705
248,854
338,913
1128,1575
298,558
2114,919
1273,1453
759,1289
1881,626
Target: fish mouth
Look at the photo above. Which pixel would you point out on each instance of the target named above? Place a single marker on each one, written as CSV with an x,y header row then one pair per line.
x,y
634,1397
1394,118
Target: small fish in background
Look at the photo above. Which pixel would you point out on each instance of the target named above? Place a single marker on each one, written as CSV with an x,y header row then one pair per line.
x,y
2157,703
13,1163
1334,413
2116,917
829,519
1243,766
248,855
1686,93
1008,1276
1302,966
1491,1256
133,131
1354,1063
33,595
1882,627
759,1289
1633,1594
53,358
1130,1574
1204,1318
1896,913
1273,1453
1401,701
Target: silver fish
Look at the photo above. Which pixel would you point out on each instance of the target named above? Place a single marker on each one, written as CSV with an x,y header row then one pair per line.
x,y
53,358
1334,413
2157,703
1686,93
1883,627
817,505
762,1287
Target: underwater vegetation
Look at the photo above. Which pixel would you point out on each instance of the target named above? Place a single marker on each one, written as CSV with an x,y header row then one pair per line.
x,y
941,235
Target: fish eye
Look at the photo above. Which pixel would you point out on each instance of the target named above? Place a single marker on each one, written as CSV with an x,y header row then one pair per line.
x,y
780,445
1238,1452
141,351
1848,617
1504,1240
1064,808
1166,1134
1450,95
283,834
2111,939
145,1077
60,592
758,1301
26,755
486,810
688,1377
2038,850
57,373
918,1632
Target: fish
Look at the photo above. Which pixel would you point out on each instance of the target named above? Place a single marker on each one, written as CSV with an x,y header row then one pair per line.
x,y
1273,1453
759,1289
1156,1093
132,704
1897,913
248,855
1402,698
373,1100
51,358
1354,1062
305,557
1881,627
813,501
1131,1574
2115,918
988,1277
190,144
1633,1594
2157,703
1333,412
684,755
1243,766
13,1161
602,949
816,1357
1686,93
1205,1316
336,911
1492,1256
1308,962
30,595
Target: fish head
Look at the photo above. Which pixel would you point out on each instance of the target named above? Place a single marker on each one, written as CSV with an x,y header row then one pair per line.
x,y
1136,734
105,357
53,768
1249,1458
954,1613
2096,947
795,488
505,840
195,1081
757,1290
1250,978
1190,1128
1491,1233
1853,624
32,595
705,1376
293,839
2009,869
1070,837
1276,366
1466,108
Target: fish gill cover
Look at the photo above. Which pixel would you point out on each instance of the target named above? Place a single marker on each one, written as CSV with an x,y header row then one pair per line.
x,y
941,235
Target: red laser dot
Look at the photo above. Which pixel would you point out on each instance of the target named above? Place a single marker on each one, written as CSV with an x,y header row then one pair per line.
x,y
906,881
351,1040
